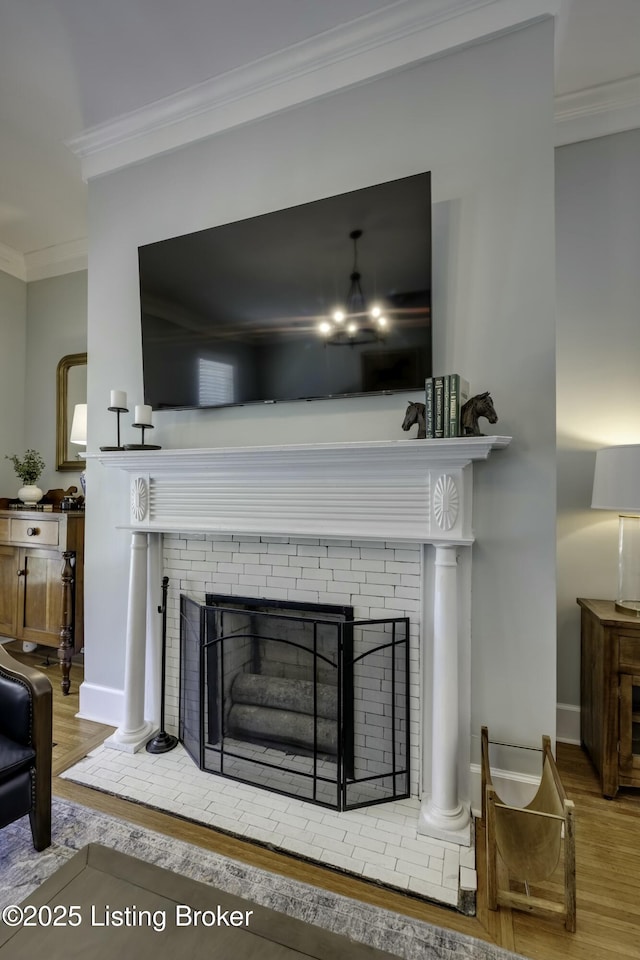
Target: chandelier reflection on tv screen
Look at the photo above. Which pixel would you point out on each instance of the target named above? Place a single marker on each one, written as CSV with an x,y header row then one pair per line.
x,y
356,323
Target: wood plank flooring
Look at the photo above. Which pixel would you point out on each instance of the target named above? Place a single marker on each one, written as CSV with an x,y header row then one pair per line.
x,y
607,840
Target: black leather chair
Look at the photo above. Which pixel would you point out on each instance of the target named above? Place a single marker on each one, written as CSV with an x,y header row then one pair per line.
x,y
25,747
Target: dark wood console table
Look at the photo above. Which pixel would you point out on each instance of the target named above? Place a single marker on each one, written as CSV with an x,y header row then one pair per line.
x,y
610,693
41,581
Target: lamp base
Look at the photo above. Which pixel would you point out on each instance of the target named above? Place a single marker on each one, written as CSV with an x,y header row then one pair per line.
x,y
628,592
632,607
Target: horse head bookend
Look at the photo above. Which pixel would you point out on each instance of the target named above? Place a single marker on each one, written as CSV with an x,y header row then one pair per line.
x,y
416,414
478,406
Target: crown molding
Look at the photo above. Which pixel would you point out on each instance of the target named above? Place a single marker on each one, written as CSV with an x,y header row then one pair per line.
x,y
52,261
56,260
12,262
593,112
404,33
597,111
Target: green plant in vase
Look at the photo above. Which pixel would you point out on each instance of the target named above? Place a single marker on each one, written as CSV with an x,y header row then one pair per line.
x,y
28,469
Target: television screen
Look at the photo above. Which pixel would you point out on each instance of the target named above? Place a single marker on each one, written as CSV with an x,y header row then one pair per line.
x,y
326,299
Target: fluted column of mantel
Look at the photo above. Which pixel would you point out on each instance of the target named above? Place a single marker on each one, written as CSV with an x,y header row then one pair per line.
x,y
443,815
134,731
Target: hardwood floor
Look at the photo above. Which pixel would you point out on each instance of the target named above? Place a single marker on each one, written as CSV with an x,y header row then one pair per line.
x,y
607,840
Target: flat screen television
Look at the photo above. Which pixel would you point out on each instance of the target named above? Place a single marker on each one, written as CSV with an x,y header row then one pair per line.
x,y
325,299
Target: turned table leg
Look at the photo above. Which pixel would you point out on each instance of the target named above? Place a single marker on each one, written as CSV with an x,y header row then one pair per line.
x,y
65,648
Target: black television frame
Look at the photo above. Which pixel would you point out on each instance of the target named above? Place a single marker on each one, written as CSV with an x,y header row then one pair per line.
x,y
386,367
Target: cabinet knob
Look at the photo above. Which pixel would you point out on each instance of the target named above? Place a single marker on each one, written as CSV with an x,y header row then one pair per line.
x,y
33,531
22,573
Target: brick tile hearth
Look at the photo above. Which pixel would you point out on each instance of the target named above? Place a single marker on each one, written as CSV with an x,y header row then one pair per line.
x,y
378,843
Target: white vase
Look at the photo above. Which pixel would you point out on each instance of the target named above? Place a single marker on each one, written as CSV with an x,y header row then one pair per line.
x,y
30,494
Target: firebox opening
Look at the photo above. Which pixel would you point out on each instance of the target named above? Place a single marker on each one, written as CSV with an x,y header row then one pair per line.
x,y
297,698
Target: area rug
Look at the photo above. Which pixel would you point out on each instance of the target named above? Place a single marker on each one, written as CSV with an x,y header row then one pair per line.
x,y
104,903
22,871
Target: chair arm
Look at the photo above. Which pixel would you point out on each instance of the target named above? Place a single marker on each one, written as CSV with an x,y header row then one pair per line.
x,y
36,679
40,692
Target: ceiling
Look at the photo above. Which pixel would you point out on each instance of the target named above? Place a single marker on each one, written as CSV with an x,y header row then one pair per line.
x,y
72,66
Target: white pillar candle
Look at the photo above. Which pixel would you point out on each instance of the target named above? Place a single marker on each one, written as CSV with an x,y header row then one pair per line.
x,y
143,414
118,399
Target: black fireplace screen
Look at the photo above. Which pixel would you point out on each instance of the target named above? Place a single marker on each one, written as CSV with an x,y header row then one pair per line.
x,y
309,704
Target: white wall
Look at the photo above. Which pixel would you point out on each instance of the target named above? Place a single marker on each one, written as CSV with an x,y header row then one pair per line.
x,y
56,327
13,326
482,121
598,361
40,322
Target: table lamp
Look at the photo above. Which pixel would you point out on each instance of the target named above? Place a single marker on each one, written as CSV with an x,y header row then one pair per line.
x,y
79,425
616,486
79,435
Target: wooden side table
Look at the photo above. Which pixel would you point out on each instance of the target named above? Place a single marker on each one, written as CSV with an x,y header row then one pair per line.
x,y
610,693
41,580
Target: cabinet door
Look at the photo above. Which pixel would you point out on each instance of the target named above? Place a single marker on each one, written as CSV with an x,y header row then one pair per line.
x,y
40,596
9,566
629,759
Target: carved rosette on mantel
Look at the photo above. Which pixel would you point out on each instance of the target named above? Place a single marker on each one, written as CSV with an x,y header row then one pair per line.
x,y
139,498
417,491
445,502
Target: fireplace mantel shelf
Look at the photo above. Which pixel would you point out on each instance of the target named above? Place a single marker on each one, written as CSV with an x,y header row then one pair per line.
x,y
455,451
412,490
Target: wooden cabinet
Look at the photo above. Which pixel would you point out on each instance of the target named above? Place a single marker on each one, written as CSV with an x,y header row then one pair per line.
x,y
42,581
8,591
610,693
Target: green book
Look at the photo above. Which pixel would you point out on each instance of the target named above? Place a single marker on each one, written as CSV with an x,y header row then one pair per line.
x,y
458,396
445,404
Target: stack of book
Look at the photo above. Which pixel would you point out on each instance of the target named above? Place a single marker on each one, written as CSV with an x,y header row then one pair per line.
x,y
444,399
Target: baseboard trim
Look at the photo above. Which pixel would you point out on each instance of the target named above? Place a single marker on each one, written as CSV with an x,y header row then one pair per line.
x,y
511,786
101,704
568,723
519,788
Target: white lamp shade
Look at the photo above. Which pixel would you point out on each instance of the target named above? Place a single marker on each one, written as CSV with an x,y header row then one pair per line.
x,y
616,481
79,424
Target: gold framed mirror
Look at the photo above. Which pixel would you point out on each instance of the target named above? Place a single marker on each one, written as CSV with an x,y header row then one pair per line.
x,y
71,388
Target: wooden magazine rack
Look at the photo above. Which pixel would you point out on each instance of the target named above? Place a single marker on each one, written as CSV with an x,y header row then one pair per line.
x,y
529,840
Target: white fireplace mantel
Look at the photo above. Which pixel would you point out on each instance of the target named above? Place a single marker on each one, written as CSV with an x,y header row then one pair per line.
x,y
390,490
414,490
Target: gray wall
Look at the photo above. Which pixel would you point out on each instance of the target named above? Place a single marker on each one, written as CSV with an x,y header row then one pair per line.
x,y
13,385
482,121
598,364
56,327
